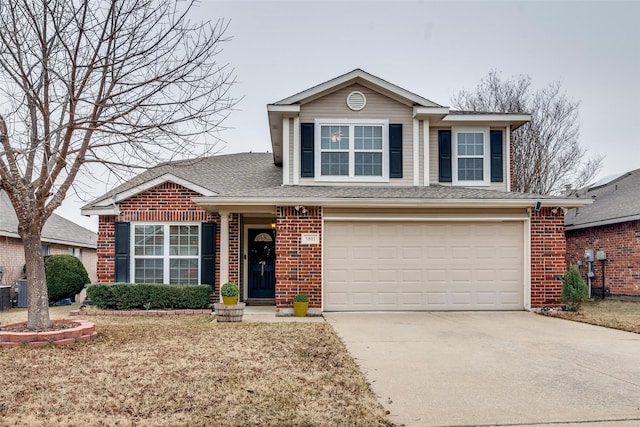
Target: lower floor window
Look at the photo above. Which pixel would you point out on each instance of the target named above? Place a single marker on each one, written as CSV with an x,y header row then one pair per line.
x,y
166,253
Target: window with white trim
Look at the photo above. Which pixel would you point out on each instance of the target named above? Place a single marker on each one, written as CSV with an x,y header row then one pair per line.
x,y
352,150
75,252
470,164
166,253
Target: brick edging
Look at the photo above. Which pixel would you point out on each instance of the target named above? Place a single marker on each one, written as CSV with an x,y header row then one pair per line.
x,y
157,313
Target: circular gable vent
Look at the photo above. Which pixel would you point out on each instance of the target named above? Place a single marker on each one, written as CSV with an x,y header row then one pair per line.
x,y
356,100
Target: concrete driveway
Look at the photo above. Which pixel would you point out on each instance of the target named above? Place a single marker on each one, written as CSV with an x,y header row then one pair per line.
x,y
496,368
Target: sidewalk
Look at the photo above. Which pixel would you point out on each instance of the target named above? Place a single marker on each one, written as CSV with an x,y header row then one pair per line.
x,y
251,314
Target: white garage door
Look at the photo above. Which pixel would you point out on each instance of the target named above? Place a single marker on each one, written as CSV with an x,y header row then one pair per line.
x,y
423,266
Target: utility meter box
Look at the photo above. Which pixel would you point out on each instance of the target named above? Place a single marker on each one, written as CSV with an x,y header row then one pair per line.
x,y
588,255
601,255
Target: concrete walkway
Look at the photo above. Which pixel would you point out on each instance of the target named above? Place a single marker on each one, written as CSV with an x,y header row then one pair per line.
x,y
510,368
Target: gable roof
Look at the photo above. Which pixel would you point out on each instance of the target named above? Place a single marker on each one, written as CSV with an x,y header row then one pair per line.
x,y
207,176
614,201
363,78
56,230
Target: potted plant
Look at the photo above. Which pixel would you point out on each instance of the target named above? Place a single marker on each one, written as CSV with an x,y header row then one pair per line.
x,y
229,292
300,305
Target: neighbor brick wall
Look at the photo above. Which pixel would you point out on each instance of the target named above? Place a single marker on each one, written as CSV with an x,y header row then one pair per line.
x,y
12,258
621,242
167,202
298,267
548,261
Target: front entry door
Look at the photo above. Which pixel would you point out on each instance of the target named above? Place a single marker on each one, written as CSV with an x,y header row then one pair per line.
x,y
262,263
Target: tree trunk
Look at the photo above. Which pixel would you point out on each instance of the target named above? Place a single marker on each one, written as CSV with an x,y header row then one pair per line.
x,y
37,295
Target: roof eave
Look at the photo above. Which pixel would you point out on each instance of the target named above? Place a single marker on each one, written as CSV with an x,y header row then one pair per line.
x,y
215,204
515,120
603,222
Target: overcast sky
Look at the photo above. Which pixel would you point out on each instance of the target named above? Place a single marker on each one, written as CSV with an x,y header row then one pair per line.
x,y
434,49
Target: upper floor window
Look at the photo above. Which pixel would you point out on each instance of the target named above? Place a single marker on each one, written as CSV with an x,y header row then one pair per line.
x,y
471,157
352,150
166,253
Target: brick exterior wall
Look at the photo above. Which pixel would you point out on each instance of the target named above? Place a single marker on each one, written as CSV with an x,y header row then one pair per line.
x,y
167,202
234,249
298,267
548,261
621,242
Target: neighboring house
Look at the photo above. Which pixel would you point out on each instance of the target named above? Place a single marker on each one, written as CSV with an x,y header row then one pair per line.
x,y
610,225
374,198
59,236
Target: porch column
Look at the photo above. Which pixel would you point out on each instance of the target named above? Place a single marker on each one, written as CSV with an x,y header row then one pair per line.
x,y
224,247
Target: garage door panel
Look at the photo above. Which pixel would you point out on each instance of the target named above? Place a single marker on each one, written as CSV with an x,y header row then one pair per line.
x,y
386,252
388,299
411,254
423,266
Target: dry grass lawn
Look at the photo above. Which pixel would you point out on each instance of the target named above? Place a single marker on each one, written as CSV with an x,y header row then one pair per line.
x,y
616,314
188,370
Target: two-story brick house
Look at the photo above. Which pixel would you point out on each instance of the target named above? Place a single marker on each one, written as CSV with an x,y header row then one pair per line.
x,y
374,198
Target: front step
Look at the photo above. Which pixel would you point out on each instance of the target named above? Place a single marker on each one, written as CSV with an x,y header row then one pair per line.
x,y
261,301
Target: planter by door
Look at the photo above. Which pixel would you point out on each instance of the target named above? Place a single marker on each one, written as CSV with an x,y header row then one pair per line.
x,y
229,313
230,300
300,308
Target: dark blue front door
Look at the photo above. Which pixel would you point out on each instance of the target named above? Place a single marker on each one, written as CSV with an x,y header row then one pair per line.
x,y
262,263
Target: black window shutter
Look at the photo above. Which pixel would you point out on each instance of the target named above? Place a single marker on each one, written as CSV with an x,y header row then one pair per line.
x,y
496,156
122,239
208,260
395,151
306,153
444,156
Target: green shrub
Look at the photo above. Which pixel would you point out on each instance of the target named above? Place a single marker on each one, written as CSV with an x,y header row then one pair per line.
x,y
301,298
229,289
129,296
574,290
66,276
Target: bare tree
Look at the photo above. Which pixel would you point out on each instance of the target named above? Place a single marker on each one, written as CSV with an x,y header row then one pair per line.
x,y
547,155
113,83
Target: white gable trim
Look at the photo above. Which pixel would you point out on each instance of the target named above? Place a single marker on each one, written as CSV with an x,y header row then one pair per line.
x,y
347,78
98,208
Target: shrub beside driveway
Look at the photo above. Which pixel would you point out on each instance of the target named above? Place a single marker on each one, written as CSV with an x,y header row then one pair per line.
x,y
616,314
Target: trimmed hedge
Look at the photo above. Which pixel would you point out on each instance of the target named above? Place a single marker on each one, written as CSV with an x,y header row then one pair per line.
x,y
129,296
66,276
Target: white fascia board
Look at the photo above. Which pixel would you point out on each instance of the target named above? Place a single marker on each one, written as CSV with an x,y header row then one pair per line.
x,y
430,111
167,177
603,222
217,203
103,211
275,108
338,81
511,118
